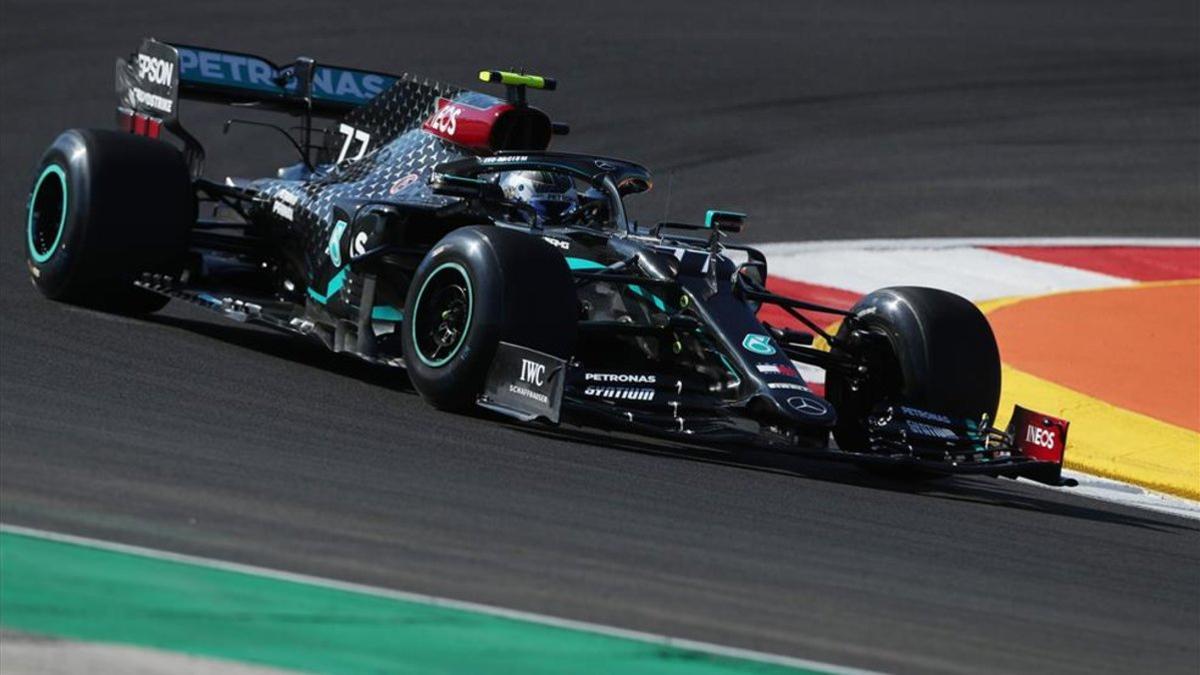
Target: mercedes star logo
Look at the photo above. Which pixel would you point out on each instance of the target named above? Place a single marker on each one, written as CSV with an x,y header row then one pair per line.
x,y
807,406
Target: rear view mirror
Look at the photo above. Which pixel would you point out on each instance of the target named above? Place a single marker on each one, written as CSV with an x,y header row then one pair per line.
x,y
450,185
724,221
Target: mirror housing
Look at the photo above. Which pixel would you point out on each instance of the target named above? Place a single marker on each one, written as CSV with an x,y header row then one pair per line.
x,y
449,185
724,221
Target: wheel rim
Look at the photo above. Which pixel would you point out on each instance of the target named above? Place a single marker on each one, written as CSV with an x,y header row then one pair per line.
x,y
442,314
47,213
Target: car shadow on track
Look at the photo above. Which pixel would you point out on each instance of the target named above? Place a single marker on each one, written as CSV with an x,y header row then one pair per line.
x,y
291,348
997,492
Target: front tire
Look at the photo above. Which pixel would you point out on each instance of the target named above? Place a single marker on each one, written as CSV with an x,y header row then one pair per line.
x,y
477,287
924,347
106,206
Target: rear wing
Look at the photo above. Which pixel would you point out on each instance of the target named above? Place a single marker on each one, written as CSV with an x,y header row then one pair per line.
x,y
245,79
151,82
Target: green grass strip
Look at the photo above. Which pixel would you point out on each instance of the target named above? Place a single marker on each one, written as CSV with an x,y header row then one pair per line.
x,y
94,594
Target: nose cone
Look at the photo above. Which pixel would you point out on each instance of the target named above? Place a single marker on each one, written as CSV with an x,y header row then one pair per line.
x,y
807,408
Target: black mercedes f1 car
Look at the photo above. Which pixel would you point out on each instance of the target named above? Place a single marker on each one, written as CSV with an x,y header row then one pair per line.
x,y
428,227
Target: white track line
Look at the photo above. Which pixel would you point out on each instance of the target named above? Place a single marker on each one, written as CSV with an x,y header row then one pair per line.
x,y
974,273
1125,494
435,601
37,655
959,242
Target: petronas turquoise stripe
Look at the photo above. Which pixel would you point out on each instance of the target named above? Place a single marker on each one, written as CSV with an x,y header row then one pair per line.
x,y
585,264
335,284
387,313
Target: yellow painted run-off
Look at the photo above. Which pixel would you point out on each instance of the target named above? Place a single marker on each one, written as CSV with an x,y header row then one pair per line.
x,y
1109,441
1106,439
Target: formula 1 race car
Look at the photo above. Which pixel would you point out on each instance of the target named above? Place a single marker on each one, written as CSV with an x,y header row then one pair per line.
x,y
428,227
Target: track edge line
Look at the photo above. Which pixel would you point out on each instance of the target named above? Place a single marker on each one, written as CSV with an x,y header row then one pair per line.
x,y
437,601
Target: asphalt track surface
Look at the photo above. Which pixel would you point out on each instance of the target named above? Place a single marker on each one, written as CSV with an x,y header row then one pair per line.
x,y
839,119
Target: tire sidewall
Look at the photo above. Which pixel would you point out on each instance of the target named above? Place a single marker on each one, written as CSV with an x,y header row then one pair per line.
x,y
521,292
941,345
130,209
53,275
441,383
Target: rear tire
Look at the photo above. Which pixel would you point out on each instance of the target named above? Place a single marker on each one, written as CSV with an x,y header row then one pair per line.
x,y
105,207
925,347
477,287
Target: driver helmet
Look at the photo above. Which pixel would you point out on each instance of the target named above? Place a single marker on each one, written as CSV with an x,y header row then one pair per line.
x,y
552,195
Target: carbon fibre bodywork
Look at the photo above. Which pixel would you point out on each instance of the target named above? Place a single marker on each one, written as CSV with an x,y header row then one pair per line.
x,y
669,339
